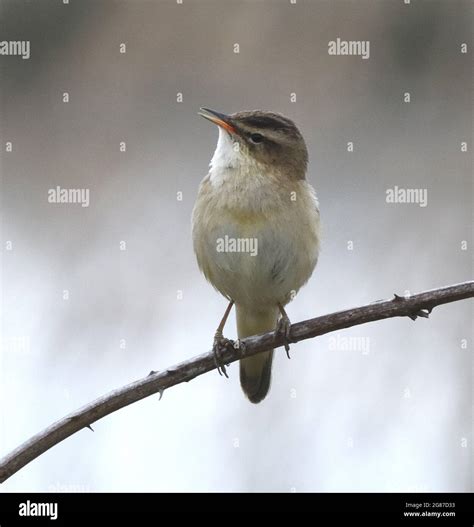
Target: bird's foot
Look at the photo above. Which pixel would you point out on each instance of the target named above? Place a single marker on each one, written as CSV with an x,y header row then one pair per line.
x,y
284,329
219,346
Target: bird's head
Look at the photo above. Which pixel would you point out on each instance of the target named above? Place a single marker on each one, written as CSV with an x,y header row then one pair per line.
x,y
266,139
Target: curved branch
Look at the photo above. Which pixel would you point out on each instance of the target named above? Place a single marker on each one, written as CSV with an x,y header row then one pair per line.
x,y
419,305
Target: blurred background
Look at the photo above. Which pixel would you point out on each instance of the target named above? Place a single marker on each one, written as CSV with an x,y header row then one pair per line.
x,y
96,297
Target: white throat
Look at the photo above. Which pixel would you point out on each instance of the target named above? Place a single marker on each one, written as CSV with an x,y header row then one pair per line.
x,y
238,180
228,159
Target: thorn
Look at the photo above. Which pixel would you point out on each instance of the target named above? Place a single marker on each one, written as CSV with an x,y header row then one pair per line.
x,y
161,391
423,313
397,298
153,372
90,428
287,349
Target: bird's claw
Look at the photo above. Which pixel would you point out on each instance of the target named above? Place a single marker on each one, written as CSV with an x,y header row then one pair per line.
x,y
284,329
220,345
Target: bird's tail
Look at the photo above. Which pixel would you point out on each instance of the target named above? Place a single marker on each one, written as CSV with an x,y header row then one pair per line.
x,y
255,372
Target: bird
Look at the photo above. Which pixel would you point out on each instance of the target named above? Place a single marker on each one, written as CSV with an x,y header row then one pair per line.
x,y
256,229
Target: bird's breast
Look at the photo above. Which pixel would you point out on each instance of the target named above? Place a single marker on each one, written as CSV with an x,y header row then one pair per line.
x,y
256,246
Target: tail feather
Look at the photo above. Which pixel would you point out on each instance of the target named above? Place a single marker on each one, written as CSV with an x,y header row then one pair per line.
x,y
255,372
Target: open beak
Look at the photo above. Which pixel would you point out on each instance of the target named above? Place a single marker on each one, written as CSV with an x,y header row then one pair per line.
x,y
222,120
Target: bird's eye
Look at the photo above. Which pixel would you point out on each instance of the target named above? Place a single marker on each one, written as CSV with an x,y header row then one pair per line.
x,y
256,138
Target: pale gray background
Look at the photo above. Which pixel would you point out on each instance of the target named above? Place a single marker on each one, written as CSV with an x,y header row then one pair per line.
x,y
395,419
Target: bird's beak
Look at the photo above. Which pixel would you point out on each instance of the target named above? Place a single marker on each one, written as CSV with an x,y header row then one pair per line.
x,y
222,120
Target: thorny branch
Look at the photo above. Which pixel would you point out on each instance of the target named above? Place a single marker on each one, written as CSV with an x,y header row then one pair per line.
x,y
413,306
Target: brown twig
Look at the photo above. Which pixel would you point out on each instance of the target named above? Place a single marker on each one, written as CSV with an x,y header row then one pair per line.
x,y
419,305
